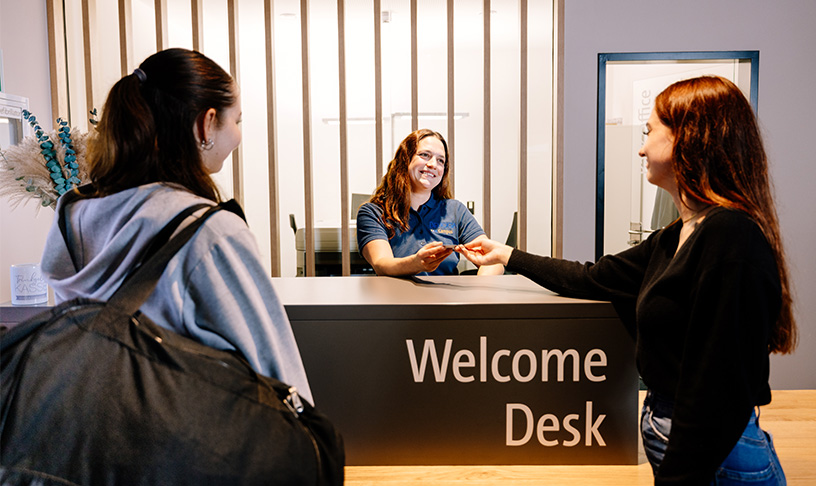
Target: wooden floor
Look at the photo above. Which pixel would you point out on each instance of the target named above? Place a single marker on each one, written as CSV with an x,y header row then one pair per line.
x,y
791,418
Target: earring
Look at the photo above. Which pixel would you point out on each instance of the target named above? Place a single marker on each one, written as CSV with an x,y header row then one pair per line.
x,y
207,145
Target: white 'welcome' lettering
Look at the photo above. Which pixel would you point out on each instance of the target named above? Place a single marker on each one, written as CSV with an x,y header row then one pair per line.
x,y
521,365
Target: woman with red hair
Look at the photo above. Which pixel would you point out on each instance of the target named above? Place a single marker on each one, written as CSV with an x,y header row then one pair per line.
x,y
707,297
411,223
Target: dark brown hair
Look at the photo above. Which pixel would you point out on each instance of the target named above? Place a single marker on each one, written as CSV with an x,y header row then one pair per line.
x,y
394,191
145,132
719,159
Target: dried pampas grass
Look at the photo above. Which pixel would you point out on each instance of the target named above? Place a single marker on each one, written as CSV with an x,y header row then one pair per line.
x,y
24,175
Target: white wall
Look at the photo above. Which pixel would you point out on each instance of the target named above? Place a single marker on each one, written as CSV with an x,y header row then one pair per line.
x,y
24,41
780,30
325,138
783,33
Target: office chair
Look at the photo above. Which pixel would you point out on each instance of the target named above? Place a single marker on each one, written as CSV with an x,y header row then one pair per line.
x,y
358,200
292,223
512,240
512,236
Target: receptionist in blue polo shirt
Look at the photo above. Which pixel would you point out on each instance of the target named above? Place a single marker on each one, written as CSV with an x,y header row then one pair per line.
x,y
410,218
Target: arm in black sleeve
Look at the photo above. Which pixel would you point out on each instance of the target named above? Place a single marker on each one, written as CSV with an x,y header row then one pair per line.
x,y
613,277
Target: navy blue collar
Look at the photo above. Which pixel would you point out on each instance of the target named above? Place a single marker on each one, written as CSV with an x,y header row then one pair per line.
x,y
430,203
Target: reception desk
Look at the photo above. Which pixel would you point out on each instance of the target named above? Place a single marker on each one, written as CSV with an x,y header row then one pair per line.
x,y
461,370
466,370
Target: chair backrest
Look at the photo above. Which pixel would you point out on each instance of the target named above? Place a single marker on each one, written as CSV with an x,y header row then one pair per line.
x,y
358,200
512,236
292,223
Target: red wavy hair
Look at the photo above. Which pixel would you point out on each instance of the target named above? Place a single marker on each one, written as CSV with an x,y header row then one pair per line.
x,y
719,159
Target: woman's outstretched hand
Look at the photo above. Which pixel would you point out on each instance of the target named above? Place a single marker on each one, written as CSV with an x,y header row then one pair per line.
x,y
486,252
431,255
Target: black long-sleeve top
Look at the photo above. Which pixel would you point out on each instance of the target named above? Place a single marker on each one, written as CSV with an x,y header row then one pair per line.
x,y
702,319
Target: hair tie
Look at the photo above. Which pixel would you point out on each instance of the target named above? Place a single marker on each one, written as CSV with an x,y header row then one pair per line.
x,y
140,74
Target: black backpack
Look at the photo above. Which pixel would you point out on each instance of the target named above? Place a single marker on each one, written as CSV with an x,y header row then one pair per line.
x,y
96,393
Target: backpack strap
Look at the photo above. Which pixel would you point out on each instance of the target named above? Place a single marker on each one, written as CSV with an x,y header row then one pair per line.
x,y
163,236
135,290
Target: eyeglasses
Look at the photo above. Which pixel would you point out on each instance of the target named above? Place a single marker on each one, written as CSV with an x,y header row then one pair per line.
x,y
426,156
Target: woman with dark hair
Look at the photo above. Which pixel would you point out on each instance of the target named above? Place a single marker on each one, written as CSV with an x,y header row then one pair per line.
x,y
411,224
707,297
163,130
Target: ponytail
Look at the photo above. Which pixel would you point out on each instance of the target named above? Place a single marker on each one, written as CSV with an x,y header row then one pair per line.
x,y
145,133
124,146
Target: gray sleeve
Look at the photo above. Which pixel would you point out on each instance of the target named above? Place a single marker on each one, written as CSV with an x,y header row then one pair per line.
x,y
230,303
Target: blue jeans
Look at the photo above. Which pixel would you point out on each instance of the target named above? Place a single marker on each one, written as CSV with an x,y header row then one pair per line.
x,y
753,461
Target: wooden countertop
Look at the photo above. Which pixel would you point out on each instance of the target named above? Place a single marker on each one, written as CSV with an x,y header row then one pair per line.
x,y
364,297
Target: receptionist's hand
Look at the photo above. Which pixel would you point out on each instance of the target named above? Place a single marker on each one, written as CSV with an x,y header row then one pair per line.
x,y
431,255
486,252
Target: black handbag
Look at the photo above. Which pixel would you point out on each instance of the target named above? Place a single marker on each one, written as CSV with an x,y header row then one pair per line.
x,y
96,393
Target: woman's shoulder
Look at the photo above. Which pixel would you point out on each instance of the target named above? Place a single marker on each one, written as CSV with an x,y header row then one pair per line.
x,y
453,204
224,232
731,234
369,209
155,197
153,205
730,223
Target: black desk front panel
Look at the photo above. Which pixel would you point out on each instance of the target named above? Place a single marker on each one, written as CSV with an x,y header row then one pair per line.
x,y
431,375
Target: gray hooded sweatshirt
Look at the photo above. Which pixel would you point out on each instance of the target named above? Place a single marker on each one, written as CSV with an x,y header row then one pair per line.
x,y
215,289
